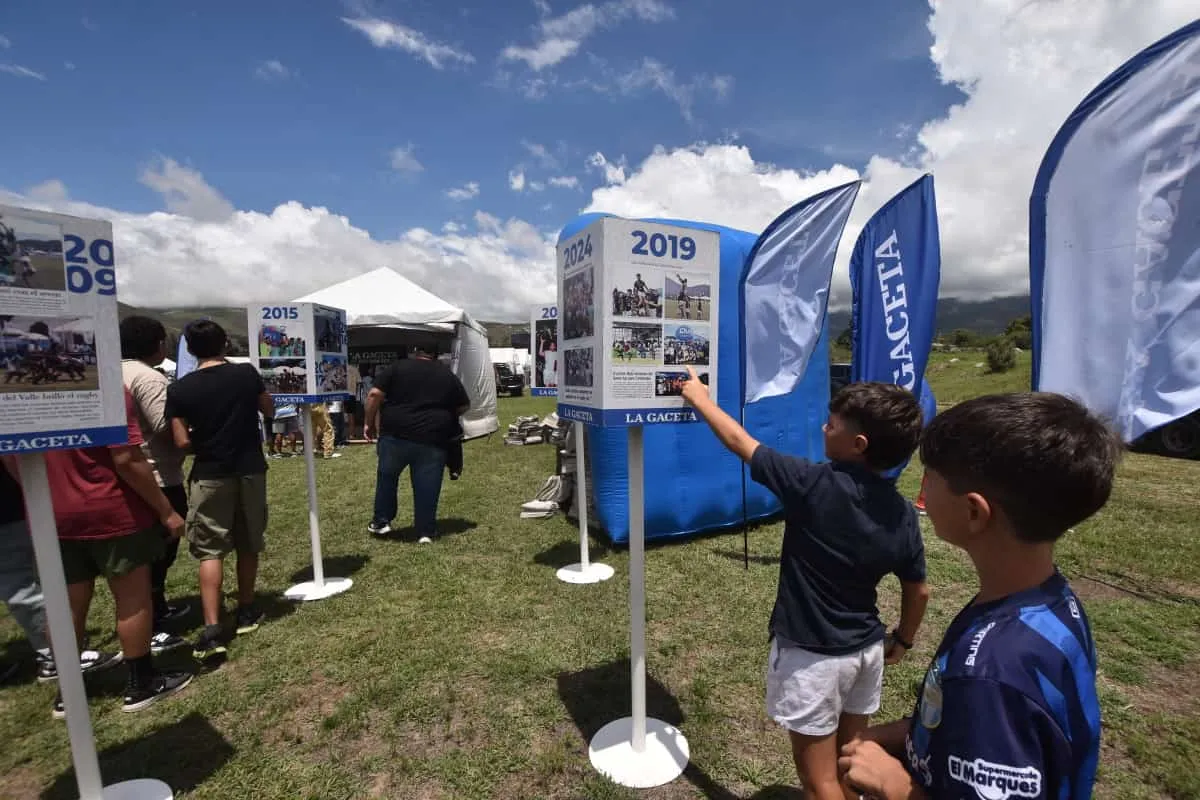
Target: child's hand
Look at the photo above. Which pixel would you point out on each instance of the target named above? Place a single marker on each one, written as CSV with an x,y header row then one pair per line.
x,y
867,768
693,389
893,651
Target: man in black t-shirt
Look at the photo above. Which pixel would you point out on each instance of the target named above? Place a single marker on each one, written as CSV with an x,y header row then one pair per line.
x,y
414,408
214,414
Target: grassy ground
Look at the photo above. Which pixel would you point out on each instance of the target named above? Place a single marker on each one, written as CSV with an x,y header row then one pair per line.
x,y
465,669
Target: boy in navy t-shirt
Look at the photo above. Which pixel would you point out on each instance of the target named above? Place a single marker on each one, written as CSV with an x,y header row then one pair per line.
x,y
846,528
1008,708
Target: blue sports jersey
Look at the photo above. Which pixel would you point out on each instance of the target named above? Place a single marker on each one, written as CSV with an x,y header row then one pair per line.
x,y
1009,708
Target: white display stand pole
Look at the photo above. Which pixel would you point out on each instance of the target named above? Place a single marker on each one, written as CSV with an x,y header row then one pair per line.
x,y
584,571
319,587
635,751
44,533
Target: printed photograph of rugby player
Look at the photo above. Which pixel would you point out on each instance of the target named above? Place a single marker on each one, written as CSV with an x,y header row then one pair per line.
x,y
48,355
284,375
579,314
578,367
670,384
685,344
637,344
31,254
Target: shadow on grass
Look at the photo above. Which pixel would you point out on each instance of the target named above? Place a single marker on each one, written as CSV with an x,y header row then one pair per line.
x,y
335,566
272,605
597,696
740,557
446,527
183,755
564,553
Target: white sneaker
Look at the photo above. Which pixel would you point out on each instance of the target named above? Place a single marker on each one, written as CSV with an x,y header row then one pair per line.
x,y
424,540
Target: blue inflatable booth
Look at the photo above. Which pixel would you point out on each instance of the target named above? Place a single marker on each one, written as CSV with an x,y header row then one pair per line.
x,y
693,484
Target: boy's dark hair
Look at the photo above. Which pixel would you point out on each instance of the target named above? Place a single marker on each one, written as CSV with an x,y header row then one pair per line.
x,y
205,339
888,415
141,337
1043,458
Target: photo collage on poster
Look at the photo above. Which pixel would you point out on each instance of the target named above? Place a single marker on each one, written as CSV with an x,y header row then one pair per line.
x,y
329,328
59,349
283,356
660,322
543,346
578,319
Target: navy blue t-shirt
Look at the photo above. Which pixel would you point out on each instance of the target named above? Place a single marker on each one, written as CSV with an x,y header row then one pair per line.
x,y
845,528
1009,707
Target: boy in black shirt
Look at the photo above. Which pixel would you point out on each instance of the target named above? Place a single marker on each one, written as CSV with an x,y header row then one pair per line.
x,y
214,413
846,528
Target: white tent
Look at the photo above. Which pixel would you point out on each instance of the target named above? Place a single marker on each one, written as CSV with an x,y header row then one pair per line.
x,y
385,299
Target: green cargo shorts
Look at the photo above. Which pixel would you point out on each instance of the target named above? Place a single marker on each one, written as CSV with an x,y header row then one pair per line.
x,y
227,515
84,560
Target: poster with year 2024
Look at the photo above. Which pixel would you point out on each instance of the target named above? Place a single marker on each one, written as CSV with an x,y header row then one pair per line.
x,y
638,304
60,349
300,349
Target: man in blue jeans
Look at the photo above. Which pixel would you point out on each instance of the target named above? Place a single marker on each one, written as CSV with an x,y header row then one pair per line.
x,y
414,408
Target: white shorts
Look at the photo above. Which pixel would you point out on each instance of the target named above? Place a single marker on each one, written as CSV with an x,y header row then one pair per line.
x,y
808,692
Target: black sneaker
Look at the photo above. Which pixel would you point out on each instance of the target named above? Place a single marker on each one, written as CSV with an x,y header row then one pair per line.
x,y
161,642
7,671
90,662
379,528
173,612
208,644
248,619
58,710
164,684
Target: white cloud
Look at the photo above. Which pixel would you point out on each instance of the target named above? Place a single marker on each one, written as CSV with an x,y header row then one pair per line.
x,y
541,153
403,160
69,66
464,192
184,191
565,182
542,6
272,70
559,38
653,74
400,37
21,72
516,181
1024,67
5,42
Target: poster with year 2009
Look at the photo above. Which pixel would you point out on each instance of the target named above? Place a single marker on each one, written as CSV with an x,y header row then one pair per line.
x,y
638,305
543,346
60,351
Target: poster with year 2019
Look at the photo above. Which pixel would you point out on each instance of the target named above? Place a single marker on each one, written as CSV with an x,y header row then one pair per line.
x,y
638,304
60,350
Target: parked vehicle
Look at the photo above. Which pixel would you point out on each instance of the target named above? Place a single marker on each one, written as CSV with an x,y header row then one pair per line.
x,y
509,382
839,377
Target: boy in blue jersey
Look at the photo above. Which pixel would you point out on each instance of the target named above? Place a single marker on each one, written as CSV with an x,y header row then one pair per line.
x,y
846,528
1008,708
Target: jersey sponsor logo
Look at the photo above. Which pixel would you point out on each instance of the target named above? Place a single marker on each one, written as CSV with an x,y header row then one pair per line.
x,y
918,766
931,698
977,640
995,781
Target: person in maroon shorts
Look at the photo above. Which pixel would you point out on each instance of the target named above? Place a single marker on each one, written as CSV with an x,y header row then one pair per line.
x,y
110,514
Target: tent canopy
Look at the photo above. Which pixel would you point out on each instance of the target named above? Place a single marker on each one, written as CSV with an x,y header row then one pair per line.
x,y
384,299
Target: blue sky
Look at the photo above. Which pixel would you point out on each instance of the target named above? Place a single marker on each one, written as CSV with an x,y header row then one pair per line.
x,y
804,85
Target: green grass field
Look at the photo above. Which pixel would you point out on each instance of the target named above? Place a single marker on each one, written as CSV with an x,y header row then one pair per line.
x,y
466,670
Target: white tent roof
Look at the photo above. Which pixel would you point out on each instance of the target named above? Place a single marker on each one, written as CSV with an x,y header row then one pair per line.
x,y
385,297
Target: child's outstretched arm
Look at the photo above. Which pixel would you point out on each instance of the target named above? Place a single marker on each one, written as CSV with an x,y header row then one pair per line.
x,y
731,434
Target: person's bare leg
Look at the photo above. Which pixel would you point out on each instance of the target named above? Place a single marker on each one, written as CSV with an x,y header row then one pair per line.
x,y
135,611
80,597
247,574
851,727
212,571
816,764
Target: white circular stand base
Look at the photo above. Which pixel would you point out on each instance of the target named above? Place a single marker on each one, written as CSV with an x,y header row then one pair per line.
x,y
578,573
309,590
141,789
664,759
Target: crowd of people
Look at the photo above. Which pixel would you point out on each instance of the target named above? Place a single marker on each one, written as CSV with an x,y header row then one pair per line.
x,y
1005,477
679,352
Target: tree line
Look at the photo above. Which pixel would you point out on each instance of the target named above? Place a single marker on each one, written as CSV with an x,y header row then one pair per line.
x,y
1000,351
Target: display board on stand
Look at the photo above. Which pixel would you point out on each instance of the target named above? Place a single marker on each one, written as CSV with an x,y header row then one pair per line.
x,y
300,349
543,347
638,304
61,388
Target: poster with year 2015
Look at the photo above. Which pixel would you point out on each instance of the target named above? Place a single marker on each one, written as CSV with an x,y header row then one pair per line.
x,y
300,349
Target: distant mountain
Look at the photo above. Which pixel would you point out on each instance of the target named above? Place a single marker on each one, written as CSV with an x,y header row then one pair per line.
x,y
987,317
